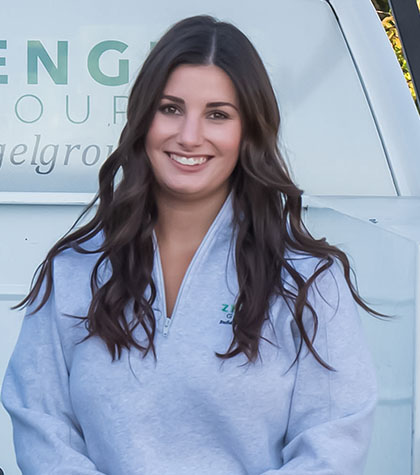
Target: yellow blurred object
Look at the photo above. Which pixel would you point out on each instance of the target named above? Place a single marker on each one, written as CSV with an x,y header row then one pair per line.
x,y
391,30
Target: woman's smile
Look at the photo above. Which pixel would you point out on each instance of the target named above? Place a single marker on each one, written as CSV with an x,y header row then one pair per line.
x,y
190,161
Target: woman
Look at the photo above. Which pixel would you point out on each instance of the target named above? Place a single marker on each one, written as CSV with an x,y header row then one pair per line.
x,y
214,334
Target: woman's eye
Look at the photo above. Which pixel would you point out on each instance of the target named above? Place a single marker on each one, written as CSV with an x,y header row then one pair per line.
x,y
168,109
218,115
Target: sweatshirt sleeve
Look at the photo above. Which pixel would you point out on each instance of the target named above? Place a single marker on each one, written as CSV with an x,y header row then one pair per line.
x,y
35,392
331,412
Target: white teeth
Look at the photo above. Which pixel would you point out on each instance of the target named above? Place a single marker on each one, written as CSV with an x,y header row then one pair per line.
x,y
188,161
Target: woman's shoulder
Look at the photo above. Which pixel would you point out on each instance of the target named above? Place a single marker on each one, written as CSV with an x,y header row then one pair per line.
x,y
330,284
72,273
77,262
307,264
80,253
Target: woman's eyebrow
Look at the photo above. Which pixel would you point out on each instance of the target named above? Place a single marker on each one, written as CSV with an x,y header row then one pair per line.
x,y
209,104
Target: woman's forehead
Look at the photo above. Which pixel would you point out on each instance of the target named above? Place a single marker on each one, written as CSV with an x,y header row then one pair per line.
x,y
200,82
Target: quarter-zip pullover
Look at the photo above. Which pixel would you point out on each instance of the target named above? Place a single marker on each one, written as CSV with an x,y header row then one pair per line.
x,y
77,412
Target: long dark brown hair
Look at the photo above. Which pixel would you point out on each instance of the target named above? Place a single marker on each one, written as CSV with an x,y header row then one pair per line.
x,y
266,203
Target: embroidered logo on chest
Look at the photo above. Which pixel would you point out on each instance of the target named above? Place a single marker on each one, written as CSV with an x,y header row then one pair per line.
x,y
228,311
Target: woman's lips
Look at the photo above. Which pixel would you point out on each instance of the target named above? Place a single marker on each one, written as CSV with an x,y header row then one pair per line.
x,y
192,161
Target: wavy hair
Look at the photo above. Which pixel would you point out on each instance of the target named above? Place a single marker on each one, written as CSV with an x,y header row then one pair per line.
x,y
266,203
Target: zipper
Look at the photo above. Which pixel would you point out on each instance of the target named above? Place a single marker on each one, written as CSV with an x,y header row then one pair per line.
x,y
169,319
166,326
161,286
209,235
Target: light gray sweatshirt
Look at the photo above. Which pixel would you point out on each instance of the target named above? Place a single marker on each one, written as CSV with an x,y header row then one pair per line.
x,y
75,412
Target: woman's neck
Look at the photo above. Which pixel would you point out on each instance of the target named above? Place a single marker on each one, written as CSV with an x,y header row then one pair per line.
x,y
185,221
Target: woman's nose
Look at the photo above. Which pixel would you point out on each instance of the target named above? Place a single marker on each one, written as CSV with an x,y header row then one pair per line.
x,y
190,133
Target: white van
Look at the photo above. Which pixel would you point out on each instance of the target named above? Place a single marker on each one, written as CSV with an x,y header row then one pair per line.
x,y
350,131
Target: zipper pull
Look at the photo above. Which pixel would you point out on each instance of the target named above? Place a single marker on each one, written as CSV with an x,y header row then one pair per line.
x,y
166,326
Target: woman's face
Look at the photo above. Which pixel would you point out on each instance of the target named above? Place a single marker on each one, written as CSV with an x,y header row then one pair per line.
x,y
194,139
